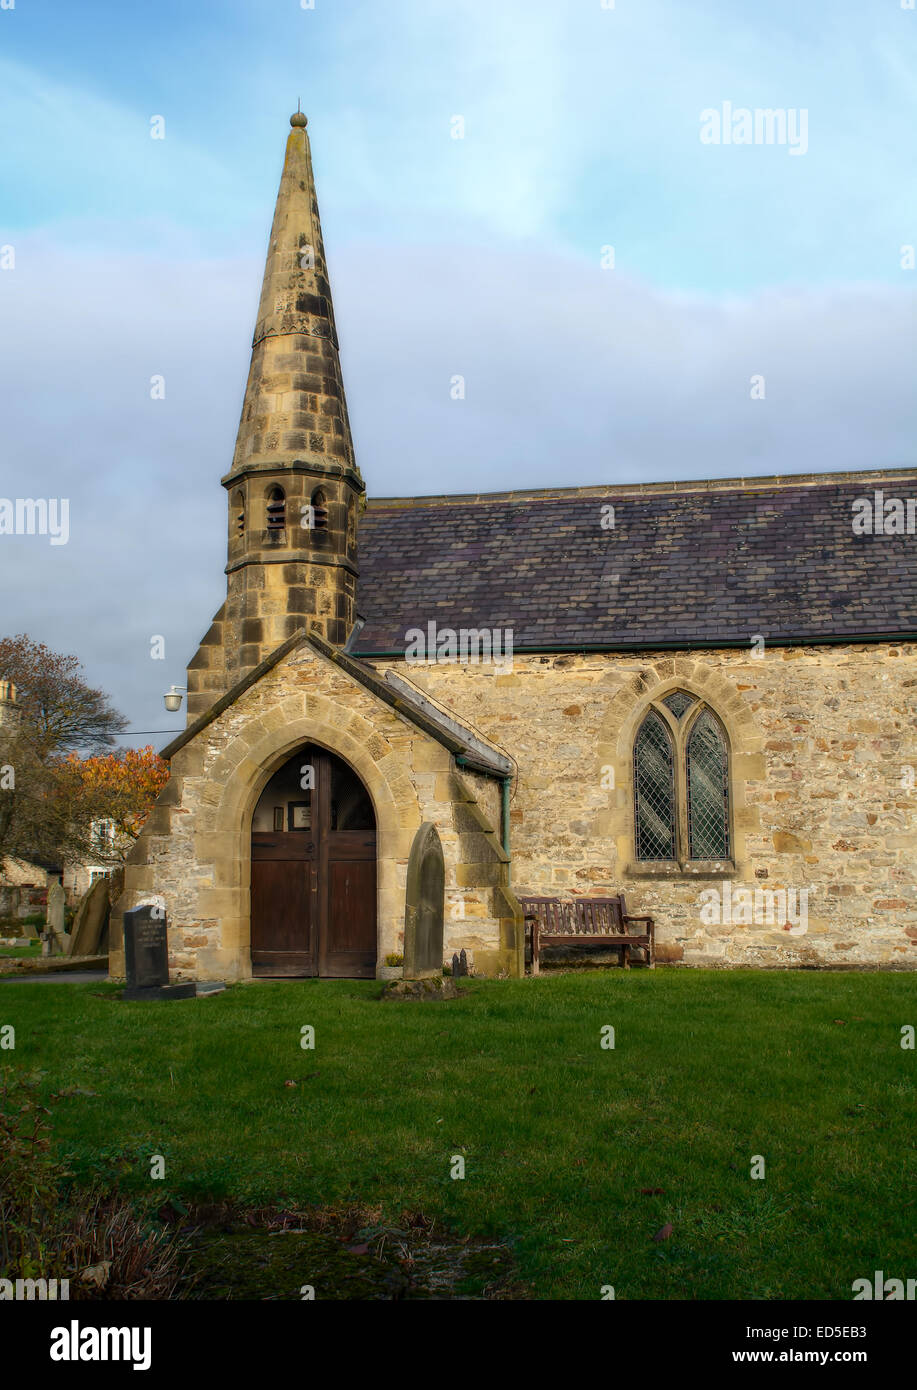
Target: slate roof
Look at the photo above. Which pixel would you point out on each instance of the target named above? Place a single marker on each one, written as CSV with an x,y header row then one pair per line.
x,y
687,564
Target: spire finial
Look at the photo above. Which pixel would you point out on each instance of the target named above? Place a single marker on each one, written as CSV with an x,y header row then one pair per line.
x,y
298,119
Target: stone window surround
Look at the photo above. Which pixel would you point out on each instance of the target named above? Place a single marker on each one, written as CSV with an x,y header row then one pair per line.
x,y
646,687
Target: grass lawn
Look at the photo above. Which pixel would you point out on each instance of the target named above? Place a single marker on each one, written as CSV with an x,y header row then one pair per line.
x,y
33,948
559,1135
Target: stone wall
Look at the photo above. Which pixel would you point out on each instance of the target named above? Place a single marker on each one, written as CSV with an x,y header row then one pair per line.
x,y
15,872
823,744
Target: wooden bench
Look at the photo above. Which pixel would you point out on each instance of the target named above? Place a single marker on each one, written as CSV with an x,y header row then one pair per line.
x,y
599,922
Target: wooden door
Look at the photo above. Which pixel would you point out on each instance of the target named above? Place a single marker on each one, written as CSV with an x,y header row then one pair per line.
x,y
284,894
349,941
313,887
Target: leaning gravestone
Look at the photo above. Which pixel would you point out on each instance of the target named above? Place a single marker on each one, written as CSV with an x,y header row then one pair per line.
x,y
146,957
425,905
56,920
90,920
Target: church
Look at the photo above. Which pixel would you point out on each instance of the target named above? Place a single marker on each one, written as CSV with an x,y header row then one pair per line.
x,y
702,695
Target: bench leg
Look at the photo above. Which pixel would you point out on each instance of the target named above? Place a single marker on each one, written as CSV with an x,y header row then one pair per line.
x,y
625,958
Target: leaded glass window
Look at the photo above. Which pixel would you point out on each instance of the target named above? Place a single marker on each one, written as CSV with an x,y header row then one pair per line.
x,y
681,784
678,702
654,784
708,790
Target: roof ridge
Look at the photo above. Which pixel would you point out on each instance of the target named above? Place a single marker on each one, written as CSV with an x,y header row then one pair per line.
x,y
777,482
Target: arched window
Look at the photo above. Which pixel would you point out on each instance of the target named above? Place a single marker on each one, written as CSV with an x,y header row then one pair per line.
x,y
708,790
654,790
276,509
319,511
681,784
239,510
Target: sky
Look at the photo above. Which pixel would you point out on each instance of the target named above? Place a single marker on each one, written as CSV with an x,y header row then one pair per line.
x,y
485,256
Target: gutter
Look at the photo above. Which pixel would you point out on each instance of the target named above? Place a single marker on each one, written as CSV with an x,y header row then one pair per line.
x,y
699,644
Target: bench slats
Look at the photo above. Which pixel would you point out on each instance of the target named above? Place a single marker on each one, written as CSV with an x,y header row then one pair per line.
x,y
586,922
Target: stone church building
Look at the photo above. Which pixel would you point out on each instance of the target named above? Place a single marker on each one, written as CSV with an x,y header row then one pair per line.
x,y
701,695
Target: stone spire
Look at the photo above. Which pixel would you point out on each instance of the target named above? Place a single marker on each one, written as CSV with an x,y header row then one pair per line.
x,y
294,410
294,486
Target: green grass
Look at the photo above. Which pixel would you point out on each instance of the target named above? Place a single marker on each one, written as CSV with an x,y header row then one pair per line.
x,y
559,1136
32,949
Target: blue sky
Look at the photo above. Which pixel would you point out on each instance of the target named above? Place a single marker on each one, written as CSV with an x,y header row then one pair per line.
x,y
582,127
479,257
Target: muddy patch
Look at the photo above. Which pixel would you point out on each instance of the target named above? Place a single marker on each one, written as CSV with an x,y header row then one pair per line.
x,y
351,1254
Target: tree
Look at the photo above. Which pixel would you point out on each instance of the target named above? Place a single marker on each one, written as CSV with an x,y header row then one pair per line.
x,y
42,808
63,712
33,821
119,788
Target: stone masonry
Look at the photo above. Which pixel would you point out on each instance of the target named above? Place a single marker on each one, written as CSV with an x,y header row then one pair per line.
x,y
823,752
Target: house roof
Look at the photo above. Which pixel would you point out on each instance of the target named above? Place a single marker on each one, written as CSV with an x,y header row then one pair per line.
x,y
687,564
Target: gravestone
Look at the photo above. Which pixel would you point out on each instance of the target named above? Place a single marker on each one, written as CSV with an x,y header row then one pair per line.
x,y
29,930
146,957
56,919
90,920
425,906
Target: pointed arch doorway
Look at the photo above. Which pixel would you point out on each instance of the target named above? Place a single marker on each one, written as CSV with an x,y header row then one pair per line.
x,y
313,885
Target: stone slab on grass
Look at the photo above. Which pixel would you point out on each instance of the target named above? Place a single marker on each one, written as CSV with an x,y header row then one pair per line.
x,y
431,988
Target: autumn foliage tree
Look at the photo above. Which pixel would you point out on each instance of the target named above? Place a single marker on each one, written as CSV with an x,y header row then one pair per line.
x,y
57,774
119,787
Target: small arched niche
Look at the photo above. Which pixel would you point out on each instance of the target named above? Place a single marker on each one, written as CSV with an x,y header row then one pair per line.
x,y
276,509
238,514
319,505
